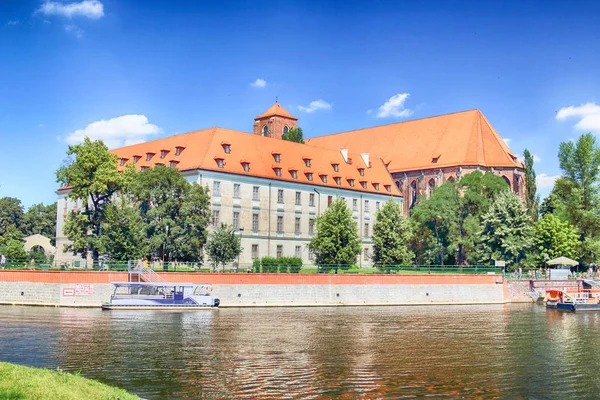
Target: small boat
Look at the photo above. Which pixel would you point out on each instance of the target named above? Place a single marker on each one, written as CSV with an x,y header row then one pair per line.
x,y
161,296
582,300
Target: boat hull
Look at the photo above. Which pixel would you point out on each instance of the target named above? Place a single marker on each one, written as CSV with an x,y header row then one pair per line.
x,y
155,307
578,307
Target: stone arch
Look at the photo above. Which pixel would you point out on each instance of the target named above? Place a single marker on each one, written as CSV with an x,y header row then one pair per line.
x,y
430,187
507,181
413,193
451,179
41,241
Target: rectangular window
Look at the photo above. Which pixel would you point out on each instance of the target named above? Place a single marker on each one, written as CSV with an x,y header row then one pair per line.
x,y
122,162
277,157
280,223
149,156
297,225
163,153
294,174
236,190
366,232
216,188
220,163
298,252
376,206
254,222
311,199
254,251
236,220
279,251
278,171
216,217
255,193
280,195
298,198
246,167
178,151
307,162
311,226
361,171
366,205
336,167
354,204
329,200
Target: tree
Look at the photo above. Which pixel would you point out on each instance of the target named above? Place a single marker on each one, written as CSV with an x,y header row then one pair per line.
x,y
506,229
555,238
336,244
223,245
41,219
124,232
391,236
11,218
13,249
92,174
176,213
294,135
532,199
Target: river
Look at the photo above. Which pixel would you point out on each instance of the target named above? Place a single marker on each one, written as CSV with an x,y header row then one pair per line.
x,y
491,351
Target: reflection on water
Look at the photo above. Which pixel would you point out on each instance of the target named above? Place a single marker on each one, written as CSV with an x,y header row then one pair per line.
x,y
515,351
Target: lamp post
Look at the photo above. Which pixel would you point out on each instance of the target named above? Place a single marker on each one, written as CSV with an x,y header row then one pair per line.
x,y
241,230
165,245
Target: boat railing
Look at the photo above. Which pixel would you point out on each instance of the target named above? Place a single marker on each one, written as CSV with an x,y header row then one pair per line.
x,y
139,272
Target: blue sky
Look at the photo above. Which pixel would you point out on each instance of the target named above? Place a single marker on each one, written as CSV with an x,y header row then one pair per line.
x,y
137,70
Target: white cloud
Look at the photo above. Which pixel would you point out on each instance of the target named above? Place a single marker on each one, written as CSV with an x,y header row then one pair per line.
x,y
394,107
75,30
507,141
545,181
315,105
536,159
115,132
259,83
92,9
13,22
588,115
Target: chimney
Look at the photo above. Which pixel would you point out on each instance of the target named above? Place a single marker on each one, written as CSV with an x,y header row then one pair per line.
x,y
344,154
365,157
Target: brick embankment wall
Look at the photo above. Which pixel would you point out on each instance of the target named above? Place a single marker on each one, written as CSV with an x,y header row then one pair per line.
x,y
90,289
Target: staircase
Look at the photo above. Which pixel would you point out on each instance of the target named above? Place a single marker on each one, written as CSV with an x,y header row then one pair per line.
x,y
594,284
139,273
535,296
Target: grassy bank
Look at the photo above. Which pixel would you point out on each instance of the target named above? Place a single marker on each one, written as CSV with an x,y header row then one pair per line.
x,y
18,382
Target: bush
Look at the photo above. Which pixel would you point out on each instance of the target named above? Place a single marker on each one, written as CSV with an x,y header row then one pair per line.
x,y
269,264
256,265
281,264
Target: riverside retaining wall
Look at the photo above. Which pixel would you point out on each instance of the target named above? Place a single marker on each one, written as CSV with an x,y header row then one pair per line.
x,y
90,289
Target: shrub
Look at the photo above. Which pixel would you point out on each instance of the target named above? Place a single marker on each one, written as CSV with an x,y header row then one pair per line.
x,y
256,265
269,264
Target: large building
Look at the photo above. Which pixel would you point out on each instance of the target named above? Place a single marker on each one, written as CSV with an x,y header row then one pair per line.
x,y
272,191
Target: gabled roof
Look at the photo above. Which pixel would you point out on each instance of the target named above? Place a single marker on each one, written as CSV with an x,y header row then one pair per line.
x,y
274,110
203,149
460,139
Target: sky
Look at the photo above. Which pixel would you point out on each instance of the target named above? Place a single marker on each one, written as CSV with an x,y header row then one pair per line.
x,y
130,71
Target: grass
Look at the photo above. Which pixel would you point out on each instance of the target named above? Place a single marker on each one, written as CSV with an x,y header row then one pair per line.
x,y
18,382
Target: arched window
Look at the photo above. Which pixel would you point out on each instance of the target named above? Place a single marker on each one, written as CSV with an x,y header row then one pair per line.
x,y
430,187
265,130
451,179
413,193
286,130
507,181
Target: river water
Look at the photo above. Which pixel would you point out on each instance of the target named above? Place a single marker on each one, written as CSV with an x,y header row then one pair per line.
x,y
493,351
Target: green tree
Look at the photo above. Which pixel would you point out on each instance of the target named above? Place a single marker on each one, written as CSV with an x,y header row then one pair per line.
x,y
336,244
13,249
92,174
555,238
40,219
391,236
223,245
507,229
532,198
124,232
294,135
11,218
176,213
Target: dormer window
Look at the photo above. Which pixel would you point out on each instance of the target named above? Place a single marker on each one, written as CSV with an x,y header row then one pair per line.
x,y
135,159
123,161
361,171
338,180
163,153
388,188
277,171
143,168
220,162
363,184
307,162
173,164
246,166
309,176
178,150
336,167
149,156
351,182
323,178
277,157
226,148
376,186
294,173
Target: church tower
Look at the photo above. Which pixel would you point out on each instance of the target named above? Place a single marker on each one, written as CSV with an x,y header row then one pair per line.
x,y
274,122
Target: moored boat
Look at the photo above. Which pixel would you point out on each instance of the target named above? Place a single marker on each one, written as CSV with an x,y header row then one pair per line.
x,y
582,300
161,296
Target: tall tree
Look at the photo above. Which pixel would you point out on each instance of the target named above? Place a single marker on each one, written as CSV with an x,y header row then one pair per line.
x,y
176,213
294,135
223,245
507,229
11,218
336,244
532,198
40,219
391,236
92,174
124,232
555,238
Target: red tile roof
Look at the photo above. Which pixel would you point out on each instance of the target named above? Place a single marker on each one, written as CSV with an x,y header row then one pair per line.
x,y
204,148
460,139
276,110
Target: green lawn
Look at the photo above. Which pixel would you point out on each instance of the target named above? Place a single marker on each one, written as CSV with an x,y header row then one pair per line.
x,y
18,382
